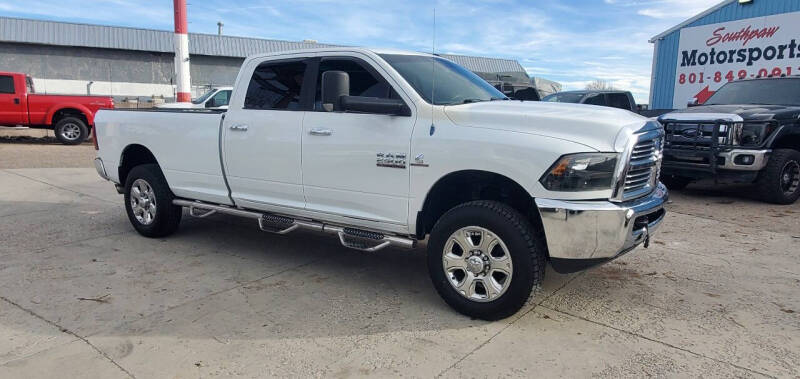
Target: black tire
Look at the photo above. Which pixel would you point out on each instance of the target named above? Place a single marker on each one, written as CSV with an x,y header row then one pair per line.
x,y
524,247
166,217
676,183
772,184
71,130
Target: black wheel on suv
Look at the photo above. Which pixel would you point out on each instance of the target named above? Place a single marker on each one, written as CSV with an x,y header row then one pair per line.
x,y
484,259
148,202
675,182
71,131
779,182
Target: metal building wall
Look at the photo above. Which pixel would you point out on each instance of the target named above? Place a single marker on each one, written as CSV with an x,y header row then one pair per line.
x,y
666,49
135,73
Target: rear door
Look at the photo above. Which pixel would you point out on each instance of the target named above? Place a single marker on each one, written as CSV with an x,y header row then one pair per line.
x,y
261,135
12,105
345,154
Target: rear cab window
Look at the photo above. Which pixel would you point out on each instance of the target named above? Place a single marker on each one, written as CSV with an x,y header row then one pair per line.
x,y
276,85
6,84
619,100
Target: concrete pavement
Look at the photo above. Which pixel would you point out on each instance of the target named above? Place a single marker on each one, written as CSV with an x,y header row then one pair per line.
x,y
81,294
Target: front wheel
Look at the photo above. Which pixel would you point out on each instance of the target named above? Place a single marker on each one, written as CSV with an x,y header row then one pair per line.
x,y
779,182
485,259
148,202
71,131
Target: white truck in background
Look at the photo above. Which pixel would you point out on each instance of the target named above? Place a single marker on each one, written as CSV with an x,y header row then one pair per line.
x,y
215,98
359,143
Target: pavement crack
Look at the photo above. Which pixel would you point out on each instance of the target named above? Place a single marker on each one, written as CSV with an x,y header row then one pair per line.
x,y
61,188
667,344
516,318
67,331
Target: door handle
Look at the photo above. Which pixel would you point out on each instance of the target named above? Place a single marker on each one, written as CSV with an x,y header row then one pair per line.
x,y
240,127
16,100
320,132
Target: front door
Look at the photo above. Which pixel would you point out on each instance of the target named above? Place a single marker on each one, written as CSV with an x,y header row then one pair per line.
x,y
262,137
356,164
12,105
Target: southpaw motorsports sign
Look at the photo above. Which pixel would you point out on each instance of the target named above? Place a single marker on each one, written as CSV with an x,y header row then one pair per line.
x,y
712,55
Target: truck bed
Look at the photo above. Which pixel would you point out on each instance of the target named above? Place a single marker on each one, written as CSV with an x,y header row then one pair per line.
x,y
186,143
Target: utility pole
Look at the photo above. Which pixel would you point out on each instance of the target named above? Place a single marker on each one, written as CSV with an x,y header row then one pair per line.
x,y
184,81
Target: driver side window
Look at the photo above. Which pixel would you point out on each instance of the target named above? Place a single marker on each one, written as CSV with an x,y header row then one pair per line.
x,y
221,98
362,81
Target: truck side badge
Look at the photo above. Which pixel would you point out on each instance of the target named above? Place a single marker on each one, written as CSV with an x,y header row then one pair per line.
x,y
419,161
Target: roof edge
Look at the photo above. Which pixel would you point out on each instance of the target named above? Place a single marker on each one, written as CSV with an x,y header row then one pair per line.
x,y
691,20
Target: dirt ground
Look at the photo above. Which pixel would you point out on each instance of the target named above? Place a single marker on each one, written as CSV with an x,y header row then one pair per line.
x,y
717,294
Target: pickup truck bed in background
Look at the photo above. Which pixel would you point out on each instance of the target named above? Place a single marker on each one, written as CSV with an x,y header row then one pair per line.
x,y
70,116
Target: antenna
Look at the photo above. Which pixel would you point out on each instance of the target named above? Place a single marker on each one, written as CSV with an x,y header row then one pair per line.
x,y
433,72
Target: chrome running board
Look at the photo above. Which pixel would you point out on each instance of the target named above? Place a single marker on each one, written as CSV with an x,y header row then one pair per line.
x,y
349,237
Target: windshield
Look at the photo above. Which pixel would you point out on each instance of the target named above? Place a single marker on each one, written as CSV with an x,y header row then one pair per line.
x,y
564,97
202,99
452,84
765,91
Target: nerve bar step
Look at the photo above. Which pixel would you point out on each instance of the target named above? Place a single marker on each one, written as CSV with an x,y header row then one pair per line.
x,y
350,237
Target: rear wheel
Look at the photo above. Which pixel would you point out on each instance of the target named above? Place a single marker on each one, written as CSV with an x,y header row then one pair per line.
x,y
148,202
779,182
484,259
71,130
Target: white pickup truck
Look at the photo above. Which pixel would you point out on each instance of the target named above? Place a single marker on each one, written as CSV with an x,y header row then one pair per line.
x,y
387,148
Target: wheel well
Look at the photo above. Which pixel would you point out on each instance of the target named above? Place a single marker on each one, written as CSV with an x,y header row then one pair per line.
x,y
788,142
464,186
69,112
132,156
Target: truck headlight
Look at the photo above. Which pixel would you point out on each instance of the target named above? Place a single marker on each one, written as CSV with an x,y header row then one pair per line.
x,y
581,172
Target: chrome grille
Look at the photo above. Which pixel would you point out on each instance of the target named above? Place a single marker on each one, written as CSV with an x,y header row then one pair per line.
x,y
644,166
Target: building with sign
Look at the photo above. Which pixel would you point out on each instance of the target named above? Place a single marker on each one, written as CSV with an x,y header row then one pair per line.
x,y
733,40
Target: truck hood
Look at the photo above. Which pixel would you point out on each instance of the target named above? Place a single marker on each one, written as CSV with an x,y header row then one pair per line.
x,y
748,112
594,126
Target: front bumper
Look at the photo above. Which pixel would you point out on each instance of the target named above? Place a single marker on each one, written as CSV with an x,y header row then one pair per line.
x,y
684,162
581,234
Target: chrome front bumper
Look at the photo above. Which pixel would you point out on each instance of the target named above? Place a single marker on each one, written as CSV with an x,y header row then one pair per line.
x,y
581,234
759,159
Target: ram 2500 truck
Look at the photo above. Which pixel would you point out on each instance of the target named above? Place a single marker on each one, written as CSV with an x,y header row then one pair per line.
x,y
366,145
747,132
71,117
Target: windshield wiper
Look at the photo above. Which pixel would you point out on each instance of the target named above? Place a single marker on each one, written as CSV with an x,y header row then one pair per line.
x,y
468,101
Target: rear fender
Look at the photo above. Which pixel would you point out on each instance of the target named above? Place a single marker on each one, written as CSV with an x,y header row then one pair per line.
x,y
62,106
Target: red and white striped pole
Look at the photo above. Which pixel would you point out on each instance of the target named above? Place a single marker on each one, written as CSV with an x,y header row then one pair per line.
x,y
184,81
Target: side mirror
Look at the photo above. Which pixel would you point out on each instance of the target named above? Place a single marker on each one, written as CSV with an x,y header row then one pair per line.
x,y
335,85
211,103
692,102
376,105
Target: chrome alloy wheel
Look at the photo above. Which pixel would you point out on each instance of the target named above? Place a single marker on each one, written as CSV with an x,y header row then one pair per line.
x,y
143,202
477,264
790,177
71,131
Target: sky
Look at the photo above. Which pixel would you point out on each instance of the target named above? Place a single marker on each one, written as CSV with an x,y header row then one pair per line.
x,y
570,41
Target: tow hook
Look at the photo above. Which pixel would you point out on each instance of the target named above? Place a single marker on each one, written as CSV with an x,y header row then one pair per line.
x,y
646,238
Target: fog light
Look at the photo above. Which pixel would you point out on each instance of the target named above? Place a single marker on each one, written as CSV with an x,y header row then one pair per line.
x,y
744,159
